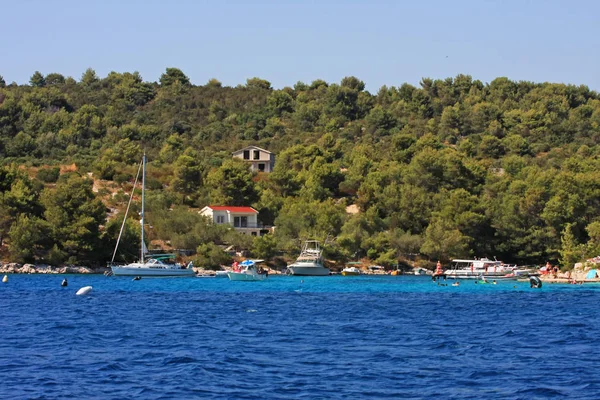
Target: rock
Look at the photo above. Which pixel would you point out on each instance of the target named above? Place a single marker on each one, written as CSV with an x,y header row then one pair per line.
x,y
12,267
27,269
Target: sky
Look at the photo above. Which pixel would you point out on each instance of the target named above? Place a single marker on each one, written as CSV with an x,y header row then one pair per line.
x,y
380,42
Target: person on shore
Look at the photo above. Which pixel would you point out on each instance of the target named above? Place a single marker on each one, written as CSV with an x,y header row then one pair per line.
x,y
438,268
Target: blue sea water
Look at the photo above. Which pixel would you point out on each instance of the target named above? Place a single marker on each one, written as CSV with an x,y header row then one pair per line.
x,y
364,337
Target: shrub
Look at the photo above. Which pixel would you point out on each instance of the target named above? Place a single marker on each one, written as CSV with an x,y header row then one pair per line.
x,y
48,175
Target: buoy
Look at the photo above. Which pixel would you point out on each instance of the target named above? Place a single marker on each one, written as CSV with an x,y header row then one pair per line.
x,y
5,279
64,283
84,290
535,282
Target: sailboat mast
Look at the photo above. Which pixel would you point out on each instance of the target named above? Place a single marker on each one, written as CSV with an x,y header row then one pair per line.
x,y
142,247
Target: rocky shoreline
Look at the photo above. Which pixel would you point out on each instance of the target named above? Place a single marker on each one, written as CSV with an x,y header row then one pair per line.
x,y
16,268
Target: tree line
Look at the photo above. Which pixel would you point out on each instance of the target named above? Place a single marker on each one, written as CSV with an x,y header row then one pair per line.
x,y
452,168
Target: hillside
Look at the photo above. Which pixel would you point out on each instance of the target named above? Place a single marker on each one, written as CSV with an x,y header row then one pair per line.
x,y
455,167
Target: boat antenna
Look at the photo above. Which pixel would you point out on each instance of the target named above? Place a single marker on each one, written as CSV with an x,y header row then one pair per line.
x,y
143,201
126,213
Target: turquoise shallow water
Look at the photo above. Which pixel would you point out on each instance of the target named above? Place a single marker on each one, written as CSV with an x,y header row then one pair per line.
x,y
292,338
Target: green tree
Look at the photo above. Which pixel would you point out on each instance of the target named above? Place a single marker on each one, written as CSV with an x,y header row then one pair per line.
x,y
593,244
211,256
55,79
264,247
173,75
443,242
571,252
74,215
279,102
187,173
257,83
37,79
353,83
89,77
231,184
28,238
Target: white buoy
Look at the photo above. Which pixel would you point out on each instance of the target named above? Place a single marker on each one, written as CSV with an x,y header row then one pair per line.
x,y
84,290
5,279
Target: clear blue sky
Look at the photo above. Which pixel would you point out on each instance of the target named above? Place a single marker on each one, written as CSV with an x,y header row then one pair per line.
x,y
380,42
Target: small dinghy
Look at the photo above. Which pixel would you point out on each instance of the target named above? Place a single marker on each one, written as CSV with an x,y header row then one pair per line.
x,y
84,290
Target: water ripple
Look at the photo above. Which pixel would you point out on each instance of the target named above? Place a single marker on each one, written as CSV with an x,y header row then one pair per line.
x,y
377,337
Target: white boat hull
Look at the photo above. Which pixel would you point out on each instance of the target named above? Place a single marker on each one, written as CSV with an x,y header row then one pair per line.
x,y
308,270
242,276
476,275
140,270
351,271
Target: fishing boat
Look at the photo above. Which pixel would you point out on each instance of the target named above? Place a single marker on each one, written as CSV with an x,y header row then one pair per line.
x,y
309,262
247,271
351,271
154,265
481,269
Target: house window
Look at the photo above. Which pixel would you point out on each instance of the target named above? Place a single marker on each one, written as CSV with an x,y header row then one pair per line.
x,y
253,233
261,167
220,219
256,155
240,222
246,154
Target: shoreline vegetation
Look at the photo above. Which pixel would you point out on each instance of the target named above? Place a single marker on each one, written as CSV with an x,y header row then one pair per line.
x,y
406,176
576,276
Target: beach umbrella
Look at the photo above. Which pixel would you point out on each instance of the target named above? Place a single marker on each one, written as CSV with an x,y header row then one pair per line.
x,y
247,263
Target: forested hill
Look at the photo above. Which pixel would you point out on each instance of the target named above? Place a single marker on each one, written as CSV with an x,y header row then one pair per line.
x,y
455,167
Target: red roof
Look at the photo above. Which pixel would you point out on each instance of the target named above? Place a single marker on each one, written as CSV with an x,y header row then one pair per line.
x,y
234,209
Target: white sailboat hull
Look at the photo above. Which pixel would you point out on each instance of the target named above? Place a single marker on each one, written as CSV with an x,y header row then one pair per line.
x,y
142,270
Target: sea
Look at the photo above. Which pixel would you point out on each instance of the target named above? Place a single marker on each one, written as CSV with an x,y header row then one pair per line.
x,y
289,337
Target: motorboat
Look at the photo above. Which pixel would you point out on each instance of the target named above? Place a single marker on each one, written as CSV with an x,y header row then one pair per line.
x,y
153,265
309,262
482,268
351,271
247,271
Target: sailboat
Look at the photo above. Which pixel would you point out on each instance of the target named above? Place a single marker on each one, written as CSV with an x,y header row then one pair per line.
x,y
149,264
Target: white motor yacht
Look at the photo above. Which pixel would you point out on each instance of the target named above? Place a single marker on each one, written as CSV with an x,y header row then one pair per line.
x,y
310,261
476,269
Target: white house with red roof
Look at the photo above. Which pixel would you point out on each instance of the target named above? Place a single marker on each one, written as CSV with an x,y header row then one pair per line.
x,y
243,219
